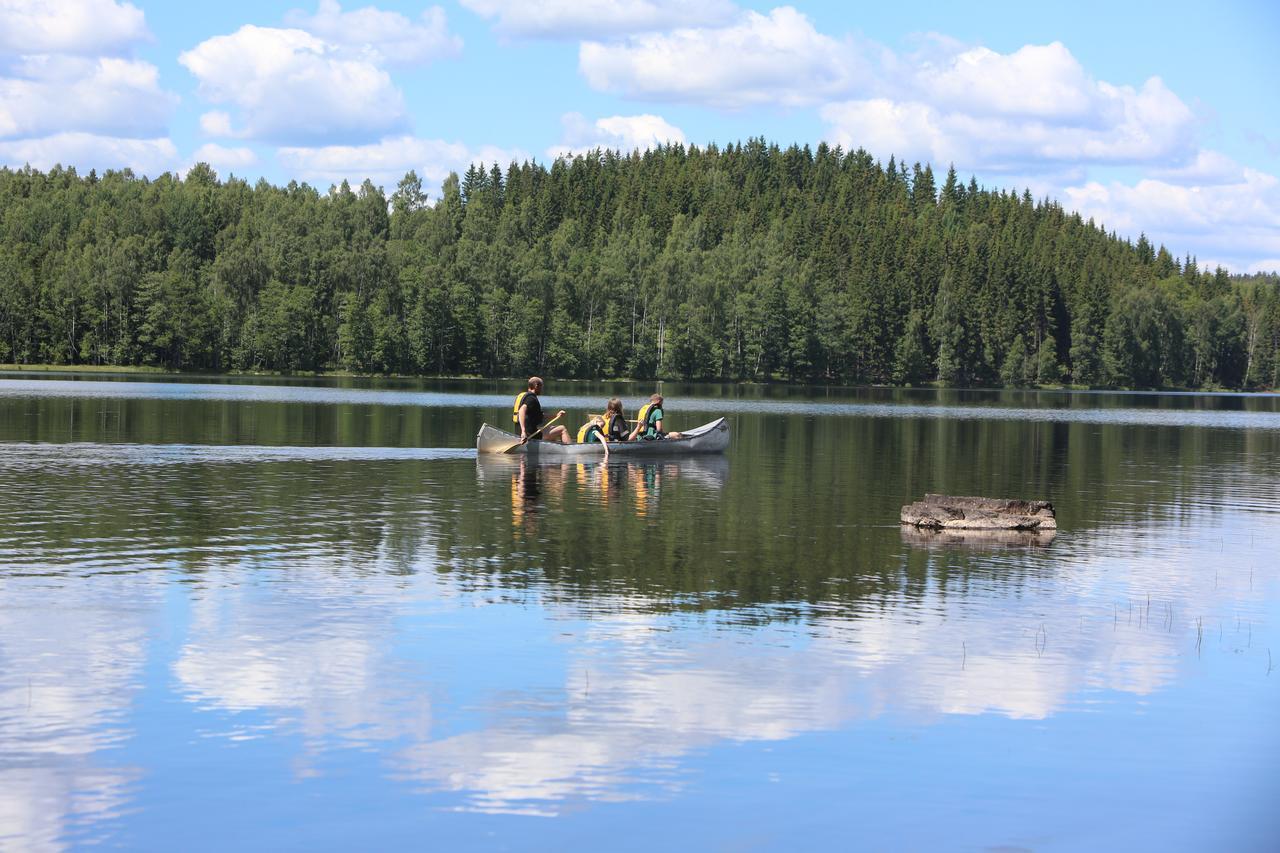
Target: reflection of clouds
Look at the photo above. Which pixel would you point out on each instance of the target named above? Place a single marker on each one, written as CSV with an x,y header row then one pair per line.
x,y
66,682
317,655
1023,637
41,806
627,719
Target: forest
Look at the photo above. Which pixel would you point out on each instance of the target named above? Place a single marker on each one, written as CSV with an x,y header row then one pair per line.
x,y
747,262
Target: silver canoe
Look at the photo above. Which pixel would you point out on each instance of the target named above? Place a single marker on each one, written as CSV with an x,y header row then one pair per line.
x,y
708,438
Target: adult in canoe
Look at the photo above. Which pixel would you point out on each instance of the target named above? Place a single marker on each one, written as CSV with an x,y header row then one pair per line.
x,y
528,417
649,421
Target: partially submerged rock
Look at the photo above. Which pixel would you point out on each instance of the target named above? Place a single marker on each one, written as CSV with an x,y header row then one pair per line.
x,y
947,512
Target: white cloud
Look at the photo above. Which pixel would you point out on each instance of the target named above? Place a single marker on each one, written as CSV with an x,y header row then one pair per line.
x,y
89,151
1036,80
773,59
75,27
1236,224
216,123
386,162
1129,126
380,36
1036,118
587,18
222,158
292,87
1208,167
619,133
105,95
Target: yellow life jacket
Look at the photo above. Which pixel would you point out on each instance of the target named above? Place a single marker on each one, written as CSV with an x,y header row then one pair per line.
x,y
643,418
584,434
515,410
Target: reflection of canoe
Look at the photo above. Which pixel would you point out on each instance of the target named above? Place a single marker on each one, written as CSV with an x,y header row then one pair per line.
x,y
708,438
707,471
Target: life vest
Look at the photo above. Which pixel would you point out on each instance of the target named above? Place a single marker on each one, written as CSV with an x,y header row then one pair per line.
x,y
515,410
584,434
529,400
650,425
615,426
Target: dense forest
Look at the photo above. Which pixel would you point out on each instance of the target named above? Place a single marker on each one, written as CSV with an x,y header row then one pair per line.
x,y
743,262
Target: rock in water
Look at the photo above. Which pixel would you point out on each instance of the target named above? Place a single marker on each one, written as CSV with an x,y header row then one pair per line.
x,y
946,512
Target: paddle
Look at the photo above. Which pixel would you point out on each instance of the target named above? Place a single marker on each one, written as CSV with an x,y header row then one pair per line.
x,y
535,432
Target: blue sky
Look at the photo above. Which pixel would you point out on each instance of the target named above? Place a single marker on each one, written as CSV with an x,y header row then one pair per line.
x,y
1149,117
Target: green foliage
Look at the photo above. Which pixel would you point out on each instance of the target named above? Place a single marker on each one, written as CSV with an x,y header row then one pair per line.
x,y
742,262
911,361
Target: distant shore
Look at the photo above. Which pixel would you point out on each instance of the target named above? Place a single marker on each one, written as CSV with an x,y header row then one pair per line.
x,y
338,374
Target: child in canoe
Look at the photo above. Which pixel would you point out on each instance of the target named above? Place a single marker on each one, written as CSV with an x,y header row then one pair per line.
x,y
606,428
594,430
649,422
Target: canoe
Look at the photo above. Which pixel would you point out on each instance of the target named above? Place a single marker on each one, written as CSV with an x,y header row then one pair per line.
x,y
708,438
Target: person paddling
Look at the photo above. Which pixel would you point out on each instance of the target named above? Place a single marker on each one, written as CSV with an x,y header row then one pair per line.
x,y
527,415
649,421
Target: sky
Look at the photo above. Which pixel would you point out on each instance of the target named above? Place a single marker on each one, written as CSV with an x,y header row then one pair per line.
x,y
1156,118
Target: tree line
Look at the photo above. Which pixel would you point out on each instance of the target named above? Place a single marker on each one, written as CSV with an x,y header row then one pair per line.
x,y
748,262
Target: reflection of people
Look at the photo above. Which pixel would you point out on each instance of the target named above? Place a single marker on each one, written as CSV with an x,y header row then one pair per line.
x,y
644,487
528,481
649,426
524,492
527,415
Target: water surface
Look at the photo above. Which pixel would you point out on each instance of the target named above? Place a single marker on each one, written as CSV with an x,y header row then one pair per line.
x,y
281,615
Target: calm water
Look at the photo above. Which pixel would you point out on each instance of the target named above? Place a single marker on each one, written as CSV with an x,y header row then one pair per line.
x,y
301,615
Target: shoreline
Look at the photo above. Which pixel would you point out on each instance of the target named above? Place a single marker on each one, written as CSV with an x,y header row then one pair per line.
x,y
145,370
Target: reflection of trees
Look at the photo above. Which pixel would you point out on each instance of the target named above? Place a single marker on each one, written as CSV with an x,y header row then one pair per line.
x,y
811,511
809,514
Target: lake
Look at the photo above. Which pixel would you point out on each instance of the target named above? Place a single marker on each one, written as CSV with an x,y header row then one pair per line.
x,y
275,614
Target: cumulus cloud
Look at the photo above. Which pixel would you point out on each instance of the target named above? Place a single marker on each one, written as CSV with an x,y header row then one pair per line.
x,y
386,162
1208,167
596,18
294,88
222,158
381,36
73,27
1073,120
1035,117
1236,224
773,59
105,95
90,151
619,133
216,123
70,94
1045,81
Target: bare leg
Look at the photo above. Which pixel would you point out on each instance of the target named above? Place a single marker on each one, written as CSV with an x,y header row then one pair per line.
x,y
558,433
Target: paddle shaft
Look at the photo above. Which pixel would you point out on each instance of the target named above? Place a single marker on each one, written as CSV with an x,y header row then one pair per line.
x,y
532,434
